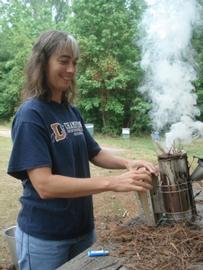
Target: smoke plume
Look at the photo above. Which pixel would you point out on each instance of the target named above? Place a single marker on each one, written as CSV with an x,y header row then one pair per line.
x,y
168,63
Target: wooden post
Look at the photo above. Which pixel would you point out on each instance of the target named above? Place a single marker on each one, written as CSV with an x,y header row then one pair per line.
x,y
149,204
146,206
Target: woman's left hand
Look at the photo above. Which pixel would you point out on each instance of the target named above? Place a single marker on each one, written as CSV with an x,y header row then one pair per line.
x,y
137,164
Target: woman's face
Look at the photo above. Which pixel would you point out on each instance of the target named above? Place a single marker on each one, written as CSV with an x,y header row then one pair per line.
x,y
60,71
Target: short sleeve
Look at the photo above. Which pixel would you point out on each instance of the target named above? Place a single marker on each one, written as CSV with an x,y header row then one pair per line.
x,y
93,147
30,149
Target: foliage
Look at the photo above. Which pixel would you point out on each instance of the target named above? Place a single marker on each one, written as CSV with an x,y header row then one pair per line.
x,y
21,22
107,74
140,122
108,71
197,44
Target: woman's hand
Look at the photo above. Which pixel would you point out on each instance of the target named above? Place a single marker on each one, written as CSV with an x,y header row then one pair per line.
x,y
137,164
134,180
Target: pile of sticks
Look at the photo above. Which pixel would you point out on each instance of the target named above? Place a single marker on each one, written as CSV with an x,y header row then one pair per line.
x,y
177,247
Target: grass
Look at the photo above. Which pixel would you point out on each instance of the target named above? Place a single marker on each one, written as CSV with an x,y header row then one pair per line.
x,y
135,147
5,125
143,148
10,190
139,147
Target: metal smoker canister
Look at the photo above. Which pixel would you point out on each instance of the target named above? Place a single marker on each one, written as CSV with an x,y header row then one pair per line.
x,y
176,187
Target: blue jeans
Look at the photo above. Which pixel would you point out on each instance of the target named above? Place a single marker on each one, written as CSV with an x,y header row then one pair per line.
x,y
37,254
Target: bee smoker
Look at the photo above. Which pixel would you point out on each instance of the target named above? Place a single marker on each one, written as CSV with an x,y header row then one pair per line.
x,y
172,198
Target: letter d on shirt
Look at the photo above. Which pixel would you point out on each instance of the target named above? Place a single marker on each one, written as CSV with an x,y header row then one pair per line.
x,y
59,131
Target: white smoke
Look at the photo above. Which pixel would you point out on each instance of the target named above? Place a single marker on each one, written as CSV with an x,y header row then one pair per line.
x,y
168,62
183,132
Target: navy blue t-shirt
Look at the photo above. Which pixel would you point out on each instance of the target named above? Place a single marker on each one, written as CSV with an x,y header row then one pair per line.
x,y
49,134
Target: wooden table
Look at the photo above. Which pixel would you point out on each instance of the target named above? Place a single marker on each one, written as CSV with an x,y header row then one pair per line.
x,y
83,262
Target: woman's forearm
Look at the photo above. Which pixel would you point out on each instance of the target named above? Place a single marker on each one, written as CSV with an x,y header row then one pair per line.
x,y
106,160
49,185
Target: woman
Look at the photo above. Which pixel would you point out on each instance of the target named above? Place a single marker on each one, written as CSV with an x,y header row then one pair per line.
x,y
51,154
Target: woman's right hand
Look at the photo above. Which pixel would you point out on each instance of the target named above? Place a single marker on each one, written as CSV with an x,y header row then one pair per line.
x,y
133,180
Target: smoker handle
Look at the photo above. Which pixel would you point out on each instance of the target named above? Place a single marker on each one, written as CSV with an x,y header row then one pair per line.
x,y
197,174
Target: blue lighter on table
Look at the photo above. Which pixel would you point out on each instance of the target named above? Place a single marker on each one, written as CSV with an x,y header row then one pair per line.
x,y
96,253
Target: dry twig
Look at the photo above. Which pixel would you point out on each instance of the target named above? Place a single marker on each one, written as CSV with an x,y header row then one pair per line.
x,y
167,248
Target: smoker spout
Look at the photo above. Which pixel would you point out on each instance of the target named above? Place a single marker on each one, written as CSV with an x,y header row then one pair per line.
x,y
197,174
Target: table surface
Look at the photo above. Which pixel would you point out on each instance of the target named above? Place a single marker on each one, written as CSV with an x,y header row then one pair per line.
x,y
84,262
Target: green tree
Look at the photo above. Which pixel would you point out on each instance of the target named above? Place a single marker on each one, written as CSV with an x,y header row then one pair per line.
x,y
198,45
21,22
108,76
